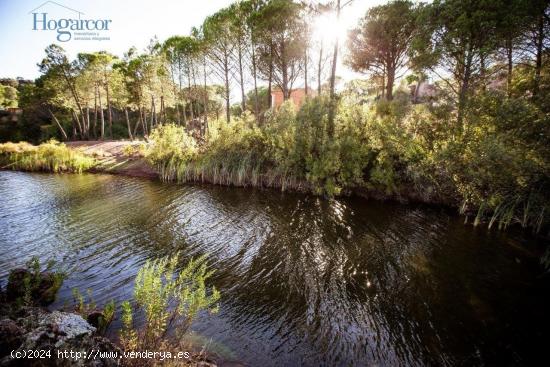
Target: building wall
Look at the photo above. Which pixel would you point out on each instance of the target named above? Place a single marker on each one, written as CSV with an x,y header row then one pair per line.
x,y
298,97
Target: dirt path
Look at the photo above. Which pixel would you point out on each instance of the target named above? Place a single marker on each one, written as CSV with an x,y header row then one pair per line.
x,y
113,159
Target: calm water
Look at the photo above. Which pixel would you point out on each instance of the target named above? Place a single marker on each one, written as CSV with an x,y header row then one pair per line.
x,y
305,281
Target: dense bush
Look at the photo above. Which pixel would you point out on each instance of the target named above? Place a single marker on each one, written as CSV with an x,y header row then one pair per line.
x,y
502,161
495,166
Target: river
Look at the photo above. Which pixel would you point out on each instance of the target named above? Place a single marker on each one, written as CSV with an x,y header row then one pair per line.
x,y
305,281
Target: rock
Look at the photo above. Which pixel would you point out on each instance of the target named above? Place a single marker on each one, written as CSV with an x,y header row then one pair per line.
x,y
42,289
47,288
16,284
38,329
230,364
204,364
67,325
94,318
11,336
201,360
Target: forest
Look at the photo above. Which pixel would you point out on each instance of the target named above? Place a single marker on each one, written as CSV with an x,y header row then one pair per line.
x,y
452,106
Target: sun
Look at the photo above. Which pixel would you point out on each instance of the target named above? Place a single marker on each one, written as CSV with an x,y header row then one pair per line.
x,y
327,28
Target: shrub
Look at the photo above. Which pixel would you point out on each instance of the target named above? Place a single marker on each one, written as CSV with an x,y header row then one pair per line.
x,y
169,300
170,148
33,285
134,150
500,164
355,154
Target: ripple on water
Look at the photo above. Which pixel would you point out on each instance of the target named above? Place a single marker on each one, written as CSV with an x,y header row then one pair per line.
x,y
305,280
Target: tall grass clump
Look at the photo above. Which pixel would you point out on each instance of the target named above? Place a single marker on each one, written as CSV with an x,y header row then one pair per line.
x,y
168,299
51,156
170,150
235,154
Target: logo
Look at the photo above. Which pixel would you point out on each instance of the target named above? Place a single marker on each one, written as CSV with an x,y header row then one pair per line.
x,y
69,24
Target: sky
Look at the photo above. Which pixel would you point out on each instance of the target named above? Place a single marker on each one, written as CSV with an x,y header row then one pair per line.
x,y
133,23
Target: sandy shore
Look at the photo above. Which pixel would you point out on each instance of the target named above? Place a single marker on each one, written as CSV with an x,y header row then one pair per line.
x,y
113,159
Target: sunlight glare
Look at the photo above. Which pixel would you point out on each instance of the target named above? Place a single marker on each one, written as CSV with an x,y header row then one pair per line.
x,y
327,28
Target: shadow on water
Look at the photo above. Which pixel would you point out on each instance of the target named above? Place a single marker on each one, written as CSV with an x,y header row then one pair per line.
x,y
304,280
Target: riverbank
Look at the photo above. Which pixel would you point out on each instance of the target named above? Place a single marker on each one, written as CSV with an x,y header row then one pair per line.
x,y
128,158
119,157
113,157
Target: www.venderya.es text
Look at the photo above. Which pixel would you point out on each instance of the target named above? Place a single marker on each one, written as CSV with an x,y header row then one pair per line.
x,y
97,354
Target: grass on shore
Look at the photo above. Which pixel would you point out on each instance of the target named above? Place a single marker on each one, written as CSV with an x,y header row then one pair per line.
x,y
51,156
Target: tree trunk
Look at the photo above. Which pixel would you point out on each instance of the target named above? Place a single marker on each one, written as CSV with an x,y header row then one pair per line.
x,y
383,85
87,121
464,89
128,124
482,71
334,58
145,125
138,122
332,107
319,70
389,83
59,125
197,110
243,96
270,77
226,71
95,113
539,43
286,92
109,112
78,128
180,83
101,114
256,102
178,117
162,111
153,112
509,54
205,96
72,89
190,94
305,71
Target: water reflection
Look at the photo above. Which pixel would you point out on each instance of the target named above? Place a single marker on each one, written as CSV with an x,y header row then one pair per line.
x,y
305,281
